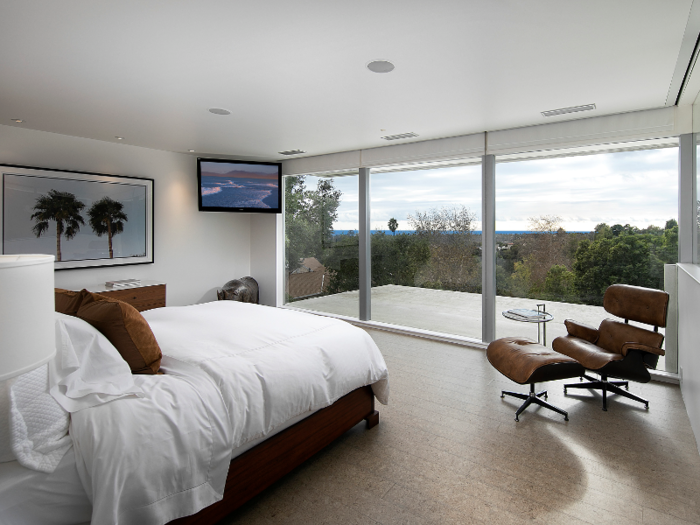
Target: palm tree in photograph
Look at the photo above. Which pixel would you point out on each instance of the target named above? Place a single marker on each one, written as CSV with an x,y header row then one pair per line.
x,y
393,225
107,217
63,208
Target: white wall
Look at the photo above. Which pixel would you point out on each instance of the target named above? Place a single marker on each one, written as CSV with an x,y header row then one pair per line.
x,y
266,257
194,252
689,342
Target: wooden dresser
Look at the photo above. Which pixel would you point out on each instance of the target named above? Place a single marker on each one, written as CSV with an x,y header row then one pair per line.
x,y
150,294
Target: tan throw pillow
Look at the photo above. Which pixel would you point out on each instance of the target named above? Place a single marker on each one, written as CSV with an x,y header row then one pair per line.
x,y
67,301
126,329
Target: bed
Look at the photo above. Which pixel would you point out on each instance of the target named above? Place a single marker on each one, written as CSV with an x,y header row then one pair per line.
x,y
248,393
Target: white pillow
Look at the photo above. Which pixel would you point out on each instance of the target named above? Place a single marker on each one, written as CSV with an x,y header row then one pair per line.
x,y
87,370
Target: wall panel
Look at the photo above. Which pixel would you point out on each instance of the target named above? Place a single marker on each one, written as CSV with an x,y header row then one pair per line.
x,y
194,252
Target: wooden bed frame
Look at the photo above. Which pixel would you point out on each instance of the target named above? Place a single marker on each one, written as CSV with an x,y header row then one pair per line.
x,y
258,468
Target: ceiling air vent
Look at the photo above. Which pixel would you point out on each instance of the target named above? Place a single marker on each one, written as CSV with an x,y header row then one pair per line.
x,y
400,136
564,111
291,152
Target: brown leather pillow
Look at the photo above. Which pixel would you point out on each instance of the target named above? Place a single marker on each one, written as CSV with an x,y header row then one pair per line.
x,y
582,331
126,329
67,301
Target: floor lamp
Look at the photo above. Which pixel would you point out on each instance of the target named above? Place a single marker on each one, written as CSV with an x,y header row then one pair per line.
x,y
27,333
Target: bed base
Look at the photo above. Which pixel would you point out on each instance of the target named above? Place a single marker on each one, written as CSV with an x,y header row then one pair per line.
x,y
258,468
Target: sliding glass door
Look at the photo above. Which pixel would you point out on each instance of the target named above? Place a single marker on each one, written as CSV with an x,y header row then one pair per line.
x,y
321,243
426,249
568,227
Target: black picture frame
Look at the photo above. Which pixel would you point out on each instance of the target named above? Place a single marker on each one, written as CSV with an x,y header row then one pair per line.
x,y
128,202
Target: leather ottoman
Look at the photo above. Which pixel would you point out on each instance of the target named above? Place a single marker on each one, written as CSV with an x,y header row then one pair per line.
x,y
527,362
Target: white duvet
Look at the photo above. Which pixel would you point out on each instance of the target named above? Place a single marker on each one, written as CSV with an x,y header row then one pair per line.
x,y
235,372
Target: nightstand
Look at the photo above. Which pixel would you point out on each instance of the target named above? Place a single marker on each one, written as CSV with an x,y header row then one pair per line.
x,y
149,294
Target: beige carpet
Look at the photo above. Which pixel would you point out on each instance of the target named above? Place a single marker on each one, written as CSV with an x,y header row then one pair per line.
x,y
447,451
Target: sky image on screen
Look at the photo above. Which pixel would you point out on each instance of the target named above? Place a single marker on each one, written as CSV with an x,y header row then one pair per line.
x,y
239,185
20,198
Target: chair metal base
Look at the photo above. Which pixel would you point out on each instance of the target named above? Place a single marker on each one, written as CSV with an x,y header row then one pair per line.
x,y
532,397
607,386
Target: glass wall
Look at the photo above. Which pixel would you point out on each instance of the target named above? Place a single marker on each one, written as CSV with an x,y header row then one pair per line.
x,y
697,198
321,243
426,248
568,225
567,228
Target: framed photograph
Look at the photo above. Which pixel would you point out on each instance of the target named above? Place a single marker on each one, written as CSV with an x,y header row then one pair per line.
x,y
86,220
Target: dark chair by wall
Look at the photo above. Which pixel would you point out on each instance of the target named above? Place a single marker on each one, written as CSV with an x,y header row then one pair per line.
x,y
617,349
244,290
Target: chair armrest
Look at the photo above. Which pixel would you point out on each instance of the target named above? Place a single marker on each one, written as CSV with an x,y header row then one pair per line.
x,y
582,331
626,347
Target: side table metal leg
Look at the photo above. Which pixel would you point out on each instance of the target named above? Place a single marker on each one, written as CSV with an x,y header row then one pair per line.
x,y
544,334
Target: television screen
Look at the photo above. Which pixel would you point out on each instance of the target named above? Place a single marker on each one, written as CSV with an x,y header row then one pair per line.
x,y
236,185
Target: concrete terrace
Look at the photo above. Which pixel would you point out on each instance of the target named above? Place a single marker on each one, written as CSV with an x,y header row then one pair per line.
x,y
454,313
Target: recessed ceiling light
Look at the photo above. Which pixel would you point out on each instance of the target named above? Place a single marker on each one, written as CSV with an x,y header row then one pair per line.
x,y
380,66
191,150
291,152
219,111
563,111
17,120
119,138
408,135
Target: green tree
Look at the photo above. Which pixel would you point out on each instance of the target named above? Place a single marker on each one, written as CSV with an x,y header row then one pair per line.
x,y
309,219
393,225
64,209
547,246
559,284
603,231
298,230
630,257
455,256
107,217
323,208
396,259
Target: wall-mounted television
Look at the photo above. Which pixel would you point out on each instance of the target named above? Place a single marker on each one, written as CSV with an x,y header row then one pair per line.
x,y
239,186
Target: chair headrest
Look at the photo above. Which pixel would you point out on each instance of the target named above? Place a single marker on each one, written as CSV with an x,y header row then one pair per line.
x,y
635,303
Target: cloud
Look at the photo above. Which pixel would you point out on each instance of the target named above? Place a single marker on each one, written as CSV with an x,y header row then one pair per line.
x,y
637,187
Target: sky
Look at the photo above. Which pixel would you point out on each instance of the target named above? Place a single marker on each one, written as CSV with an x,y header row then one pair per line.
x,y
213,168
639,188
22,192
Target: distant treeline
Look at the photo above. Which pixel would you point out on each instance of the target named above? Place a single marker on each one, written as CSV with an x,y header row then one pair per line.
x,y
443,251
413,232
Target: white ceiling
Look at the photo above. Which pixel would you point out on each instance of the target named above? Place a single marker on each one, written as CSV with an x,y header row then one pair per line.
x,y
293,73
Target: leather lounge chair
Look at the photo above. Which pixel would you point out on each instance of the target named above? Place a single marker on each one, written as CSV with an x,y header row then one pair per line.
x,y
618,349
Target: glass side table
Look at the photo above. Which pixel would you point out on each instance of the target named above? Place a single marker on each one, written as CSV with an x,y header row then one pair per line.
x,y
539,316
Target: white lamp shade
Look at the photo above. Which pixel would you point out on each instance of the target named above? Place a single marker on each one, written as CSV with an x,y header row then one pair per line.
x,y
27,334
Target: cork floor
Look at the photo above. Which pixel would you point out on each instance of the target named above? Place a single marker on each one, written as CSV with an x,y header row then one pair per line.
x,y
448,451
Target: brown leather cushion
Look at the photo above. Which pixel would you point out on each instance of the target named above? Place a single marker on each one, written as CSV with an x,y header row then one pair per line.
x,y
635,303
614,334
519,358
588,354
582,331
67,301
126,329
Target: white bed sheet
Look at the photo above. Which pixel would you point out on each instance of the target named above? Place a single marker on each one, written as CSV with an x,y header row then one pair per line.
x,y
29,497
235,374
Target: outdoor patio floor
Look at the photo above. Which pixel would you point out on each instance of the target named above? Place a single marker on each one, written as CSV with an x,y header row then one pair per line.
x,y
454,313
